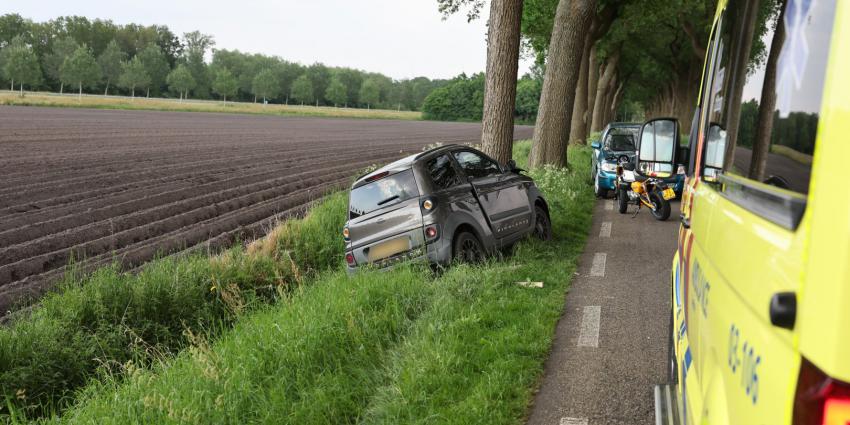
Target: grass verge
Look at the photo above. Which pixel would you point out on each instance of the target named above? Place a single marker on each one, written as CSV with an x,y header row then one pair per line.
x,y
792,154
401,346
161,104
111,322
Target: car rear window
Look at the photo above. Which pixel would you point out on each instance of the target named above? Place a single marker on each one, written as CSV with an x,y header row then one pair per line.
x,y
387,191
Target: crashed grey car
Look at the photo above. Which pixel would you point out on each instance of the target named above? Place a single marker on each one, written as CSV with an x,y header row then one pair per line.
x,y
451,202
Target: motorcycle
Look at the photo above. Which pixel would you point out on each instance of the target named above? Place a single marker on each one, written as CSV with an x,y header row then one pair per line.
x,y
633,188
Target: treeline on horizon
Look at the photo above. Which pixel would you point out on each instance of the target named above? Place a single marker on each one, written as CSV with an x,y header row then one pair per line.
x,y
72,53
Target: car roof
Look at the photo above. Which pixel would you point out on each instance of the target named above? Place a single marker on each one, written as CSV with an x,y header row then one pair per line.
x,y
405,163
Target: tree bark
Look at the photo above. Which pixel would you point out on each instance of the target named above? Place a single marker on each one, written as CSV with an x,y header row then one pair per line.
x,y
551,134
61,87
106,91
602,90
578,129
81,92
767,104
497,134
737,74
592,85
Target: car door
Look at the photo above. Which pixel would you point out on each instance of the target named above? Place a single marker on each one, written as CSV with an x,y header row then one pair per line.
x,y
503,195
742,246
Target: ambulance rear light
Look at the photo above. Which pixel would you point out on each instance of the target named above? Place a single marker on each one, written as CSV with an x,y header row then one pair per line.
x,y
820,400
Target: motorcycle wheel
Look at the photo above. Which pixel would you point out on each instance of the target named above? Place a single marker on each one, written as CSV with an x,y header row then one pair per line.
x,y
622,199
662,206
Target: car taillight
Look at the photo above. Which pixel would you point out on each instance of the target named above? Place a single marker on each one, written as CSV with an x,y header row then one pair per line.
x,y
346,234
820,400
431,232
349,258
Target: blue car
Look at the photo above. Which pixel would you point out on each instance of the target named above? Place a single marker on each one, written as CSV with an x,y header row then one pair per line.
x,y
619,141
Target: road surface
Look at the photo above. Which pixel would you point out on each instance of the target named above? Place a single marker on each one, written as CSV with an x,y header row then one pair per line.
x,y
610,345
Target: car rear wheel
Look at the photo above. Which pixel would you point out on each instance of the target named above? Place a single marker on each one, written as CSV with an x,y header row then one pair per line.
x,y
467,248
542,224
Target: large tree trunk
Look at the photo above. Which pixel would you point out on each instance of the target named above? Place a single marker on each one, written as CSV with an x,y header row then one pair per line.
x,y
578,129
602,90
551,134
61,87
501,77
106,91
767,105
592,85
80,98
737,75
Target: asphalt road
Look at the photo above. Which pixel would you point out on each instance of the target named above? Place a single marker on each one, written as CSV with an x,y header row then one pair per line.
x,y
797,174
610,345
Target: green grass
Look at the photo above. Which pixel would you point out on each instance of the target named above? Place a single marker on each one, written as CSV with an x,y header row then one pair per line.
x,y
158,104
402,346
792,154
99,325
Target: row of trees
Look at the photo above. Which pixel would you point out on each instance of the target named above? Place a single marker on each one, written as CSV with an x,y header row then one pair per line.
x,y
599,60
101,56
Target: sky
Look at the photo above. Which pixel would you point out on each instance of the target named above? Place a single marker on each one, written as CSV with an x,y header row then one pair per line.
x,y
399,38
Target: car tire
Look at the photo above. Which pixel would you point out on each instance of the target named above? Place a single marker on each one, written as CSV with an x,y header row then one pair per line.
x,y
622,199
662,206
600,192
467,248
542,224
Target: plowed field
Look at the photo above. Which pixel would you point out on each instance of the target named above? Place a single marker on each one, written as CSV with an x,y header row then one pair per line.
x,y
127,186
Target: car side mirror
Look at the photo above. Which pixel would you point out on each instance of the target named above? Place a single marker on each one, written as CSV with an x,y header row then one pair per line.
x,y
511,167
596,145
657,147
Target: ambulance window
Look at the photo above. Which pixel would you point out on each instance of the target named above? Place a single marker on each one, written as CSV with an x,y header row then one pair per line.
x,y
763,103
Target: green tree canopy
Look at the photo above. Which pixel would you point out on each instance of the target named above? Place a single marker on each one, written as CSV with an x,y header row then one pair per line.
x,y
134,76
197,45
265,85
370,92
225,84
336,92
460,100
302,89
111,63
20,64
181,80
156,65
62,48
81,69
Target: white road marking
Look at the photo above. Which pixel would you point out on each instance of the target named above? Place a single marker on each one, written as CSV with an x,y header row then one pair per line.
x,y
589,336
598,267
609,205
573,421
605,231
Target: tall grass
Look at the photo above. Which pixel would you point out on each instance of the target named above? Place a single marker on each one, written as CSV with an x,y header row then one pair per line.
x,y
110,322
402,346
158,104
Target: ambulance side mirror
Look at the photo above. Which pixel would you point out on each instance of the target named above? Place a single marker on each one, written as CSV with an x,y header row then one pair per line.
x,y
657,147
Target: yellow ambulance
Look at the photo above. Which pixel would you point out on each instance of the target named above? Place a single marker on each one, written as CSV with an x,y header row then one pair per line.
x,y
760,320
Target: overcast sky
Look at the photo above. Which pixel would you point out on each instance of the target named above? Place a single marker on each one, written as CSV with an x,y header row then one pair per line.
x,y
400,38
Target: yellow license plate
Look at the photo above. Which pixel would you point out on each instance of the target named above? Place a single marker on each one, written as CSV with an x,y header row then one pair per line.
x,y
389,248
668,194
